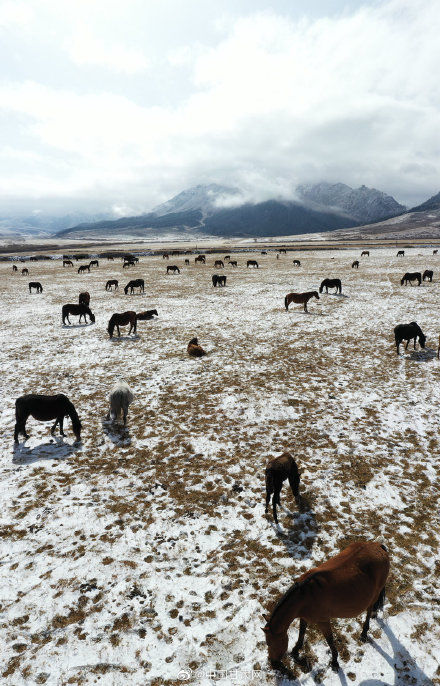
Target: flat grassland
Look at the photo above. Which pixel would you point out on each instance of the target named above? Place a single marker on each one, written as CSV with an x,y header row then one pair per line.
x,y
131,558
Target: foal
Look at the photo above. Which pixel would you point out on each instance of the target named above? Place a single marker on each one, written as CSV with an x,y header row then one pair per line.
x,y
278,470
194,349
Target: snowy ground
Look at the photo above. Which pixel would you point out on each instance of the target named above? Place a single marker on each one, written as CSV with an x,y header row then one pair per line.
x,y
129,559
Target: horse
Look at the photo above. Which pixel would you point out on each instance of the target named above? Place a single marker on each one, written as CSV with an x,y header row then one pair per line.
x,y
201,259
400,253
173,268
194,349
37,285
427,275
137,283
44,408
165,256
110,283
219,263
355,264
411,276
94,263
264,252
365,252
110,258
67,263
232,263
25,271
84,298
129,263
187,262
120,398
434,252
278,470
296,263
148,314
81,310
282,250
122,319
300,298
83,268
252,263
14,268
331,283
227,257
218,280
342,587
407,332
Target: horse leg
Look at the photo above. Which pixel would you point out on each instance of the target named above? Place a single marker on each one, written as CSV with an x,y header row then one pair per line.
x,y
276,500
300,642
269,492
119,332
366,625
294,484
60,421
326,629
52,431
305,306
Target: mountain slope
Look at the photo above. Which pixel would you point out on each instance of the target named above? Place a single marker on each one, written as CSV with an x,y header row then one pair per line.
x,y
203,197
432,203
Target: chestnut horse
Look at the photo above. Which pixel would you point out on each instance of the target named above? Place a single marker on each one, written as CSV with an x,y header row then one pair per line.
x,y
37,285
45,408
194,349
67,263
25,271
122,319
411,276
331,283
300,298
343,587
278,470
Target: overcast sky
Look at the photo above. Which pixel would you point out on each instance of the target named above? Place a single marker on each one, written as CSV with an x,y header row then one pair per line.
x,y
120,104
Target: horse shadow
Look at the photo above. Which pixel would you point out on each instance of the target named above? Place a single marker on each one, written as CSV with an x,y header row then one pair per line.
x,y
117,339
117,433
423,355
300,537
57,449
76,326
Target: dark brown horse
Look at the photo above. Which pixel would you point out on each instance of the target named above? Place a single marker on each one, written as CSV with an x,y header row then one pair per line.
x,y
136,283
434,252
25,271
194,349
408,332
84,298
165,256
130,263
296,263
427,275
400,253
411,276
252,263
14,268
331,283
219,263
233,263
365,252
173,268
227,257
122,319
218,280
355,264
37,285
278,470
200,258
342,587
81,310
94,263
300,298
187,261
67,263
148,314
110,283
84,268
282,250
45,408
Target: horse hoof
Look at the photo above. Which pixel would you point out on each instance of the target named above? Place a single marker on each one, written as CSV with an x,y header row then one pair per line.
x,y
335,666
364,638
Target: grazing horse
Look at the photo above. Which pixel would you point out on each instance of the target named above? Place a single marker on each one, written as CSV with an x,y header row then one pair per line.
x,y
411,276
296,263
14,268
233,263
121,397
94,263
187,262
37,285
331,283
81,310
434,252
110,283
136,283
355,264
218,280
25,271
264,252
67,263
129,263
342,587
173,268
194,349
148,314
165,256
300,298
84,298
400,253
83,268
282,250
45,408
365,252
252,263
219,263
407,332
278,470
227,257
122,319
428,274
201,259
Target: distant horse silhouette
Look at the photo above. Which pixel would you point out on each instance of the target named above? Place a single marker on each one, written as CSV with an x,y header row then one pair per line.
x,y
194,349
84,298
227,257
14,268
187,262
219,263
45,408
84,268
122,319
282,250
81,310
331,283
355,264
411,276
365,252
110,258
110,283
408,332
264,252
200,258
25,271
427,275
233,263
252,263
136,283
300,298
130,263
438,349
343,586
278,470
434,252
296,263
148,314
165,256
218,280
400,253
94,263
37,285
173,268
67,263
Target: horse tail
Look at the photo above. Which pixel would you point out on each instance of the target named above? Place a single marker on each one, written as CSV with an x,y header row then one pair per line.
x,y
286,304
378,605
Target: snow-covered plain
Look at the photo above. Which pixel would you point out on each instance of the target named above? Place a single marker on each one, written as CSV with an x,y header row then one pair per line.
x,y
129,558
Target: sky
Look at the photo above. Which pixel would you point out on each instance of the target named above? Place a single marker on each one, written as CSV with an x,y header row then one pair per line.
x,y
117,105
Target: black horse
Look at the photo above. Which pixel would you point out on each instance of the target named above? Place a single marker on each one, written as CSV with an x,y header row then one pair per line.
x,y
148,314
136,283
252,263
411,276
355,264
331,283
428,274
45,408
81,310
296,263
218,280
407,332
37,285
173,268
111,283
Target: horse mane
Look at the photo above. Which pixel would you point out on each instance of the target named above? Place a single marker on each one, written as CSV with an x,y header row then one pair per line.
x,y
297,586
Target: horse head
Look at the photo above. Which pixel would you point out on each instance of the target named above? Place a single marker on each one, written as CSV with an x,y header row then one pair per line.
x,y
276,643
92,316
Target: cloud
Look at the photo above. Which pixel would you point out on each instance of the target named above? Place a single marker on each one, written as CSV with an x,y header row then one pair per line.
x,y
86,49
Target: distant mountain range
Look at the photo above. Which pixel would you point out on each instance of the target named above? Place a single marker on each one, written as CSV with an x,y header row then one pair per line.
x,y
42,224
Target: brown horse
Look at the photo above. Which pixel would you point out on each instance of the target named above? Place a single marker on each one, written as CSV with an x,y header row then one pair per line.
x,y
187,262
219,263
355,264
136,283
14,268
278,470
173,268
165,256
344,586
411,276
201,259
37,285
84,298
233,263
130,263
194,349
331,283
122,319
147,314
427,275
84,268
300,298
365,252
25,271
94,263
67,263
45,408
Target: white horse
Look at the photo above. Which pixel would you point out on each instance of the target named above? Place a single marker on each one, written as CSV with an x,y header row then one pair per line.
x,y
120,398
